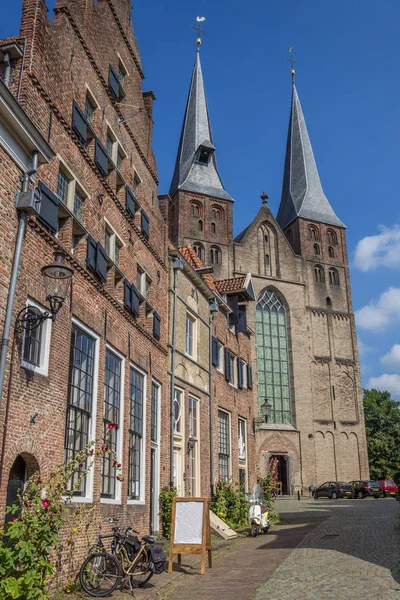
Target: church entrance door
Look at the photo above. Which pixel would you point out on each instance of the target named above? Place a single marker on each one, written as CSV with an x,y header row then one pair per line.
x,y
282,471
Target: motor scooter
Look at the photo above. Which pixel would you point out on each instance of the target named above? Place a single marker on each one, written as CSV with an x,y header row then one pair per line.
x,y
258,512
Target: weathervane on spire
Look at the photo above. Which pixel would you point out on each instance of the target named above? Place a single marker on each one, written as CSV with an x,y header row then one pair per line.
x,y
199,30
264,197
292,62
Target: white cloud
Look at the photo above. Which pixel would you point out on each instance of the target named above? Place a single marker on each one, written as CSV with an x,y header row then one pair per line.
x,y
392,358
378,314
364,349
382,250
386,382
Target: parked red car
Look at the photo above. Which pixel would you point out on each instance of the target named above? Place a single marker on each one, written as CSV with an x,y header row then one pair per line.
x,y
389,488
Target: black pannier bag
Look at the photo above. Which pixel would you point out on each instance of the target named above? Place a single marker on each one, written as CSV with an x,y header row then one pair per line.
x,y
157,559
132,546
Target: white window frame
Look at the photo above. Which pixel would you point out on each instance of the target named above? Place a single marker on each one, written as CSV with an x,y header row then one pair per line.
x,y
141,501
114,240
179,435
244,374
120,446
191,317
198,451
234,366
88,499
230,441
73,185
220,366
43,369
157,447
121,63
143,277
116,144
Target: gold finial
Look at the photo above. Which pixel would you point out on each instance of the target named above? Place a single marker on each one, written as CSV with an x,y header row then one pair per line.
x,y
199,30
292,62
264,197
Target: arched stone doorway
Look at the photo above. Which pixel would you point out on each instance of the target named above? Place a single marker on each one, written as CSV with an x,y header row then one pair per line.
x,y
23,467
281,462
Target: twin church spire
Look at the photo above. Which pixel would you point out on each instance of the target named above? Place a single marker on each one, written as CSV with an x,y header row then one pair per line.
x,y
196,168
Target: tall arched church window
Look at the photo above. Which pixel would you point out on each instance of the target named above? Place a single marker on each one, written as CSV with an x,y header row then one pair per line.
x,y
200,225
331,237
333,277
215,255
331,252
317,250
199,249
319,273
272,354
313,233
212,227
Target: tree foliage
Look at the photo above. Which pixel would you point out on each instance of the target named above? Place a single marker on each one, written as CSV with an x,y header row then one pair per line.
x,y
382,423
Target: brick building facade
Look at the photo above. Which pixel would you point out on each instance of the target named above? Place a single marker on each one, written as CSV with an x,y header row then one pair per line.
x,y
104,358
304,350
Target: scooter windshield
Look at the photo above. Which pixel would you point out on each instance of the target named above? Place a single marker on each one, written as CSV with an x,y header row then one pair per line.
x,y
257,495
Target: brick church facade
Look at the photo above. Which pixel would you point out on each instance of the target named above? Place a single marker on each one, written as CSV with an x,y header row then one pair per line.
x,y
304,346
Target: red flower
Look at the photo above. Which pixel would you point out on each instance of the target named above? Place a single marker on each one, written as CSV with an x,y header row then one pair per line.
x,y
45,503
13,519
115,463
119,465
104,448
80,466
91,452
111,426
119,478
39,480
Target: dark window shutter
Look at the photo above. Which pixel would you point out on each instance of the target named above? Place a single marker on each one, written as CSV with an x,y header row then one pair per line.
x,y
249,377
127,294
130,201
113,82
135,301
101,262
156,325
91,256
101,157
145,224
48,210
79,123
215,352
227,365
232,302
240,373
242,320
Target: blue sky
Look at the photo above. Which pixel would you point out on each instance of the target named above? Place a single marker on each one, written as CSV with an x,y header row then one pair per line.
x,y
348,82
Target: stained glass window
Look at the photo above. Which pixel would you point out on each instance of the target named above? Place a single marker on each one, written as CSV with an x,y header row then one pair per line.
x,y
272,356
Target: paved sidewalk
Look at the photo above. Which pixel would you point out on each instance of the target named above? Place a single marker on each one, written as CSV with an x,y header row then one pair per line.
x,y
354,553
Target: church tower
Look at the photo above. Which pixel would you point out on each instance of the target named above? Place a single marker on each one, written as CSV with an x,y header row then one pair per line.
x,y
200,209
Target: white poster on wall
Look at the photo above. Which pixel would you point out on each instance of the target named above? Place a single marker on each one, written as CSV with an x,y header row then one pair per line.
x,y
188,522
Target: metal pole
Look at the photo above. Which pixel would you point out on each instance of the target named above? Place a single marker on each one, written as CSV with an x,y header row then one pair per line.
x,y
176,265
22,220
212,477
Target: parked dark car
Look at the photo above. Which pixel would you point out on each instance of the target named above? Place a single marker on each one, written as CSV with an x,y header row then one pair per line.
x,y
334,489
388,487
366,488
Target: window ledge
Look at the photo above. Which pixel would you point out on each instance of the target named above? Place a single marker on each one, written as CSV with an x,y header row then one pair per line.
x,y
277,427
110,501
136,502
44,371
81,499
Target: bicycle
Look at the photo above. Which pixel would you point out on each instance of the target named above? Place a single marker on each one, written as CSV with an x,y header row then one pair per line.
x,y
129,564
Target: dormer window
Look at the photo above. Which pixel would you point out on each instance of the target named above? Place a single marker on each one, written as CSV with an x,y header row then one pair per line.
x,y
204,152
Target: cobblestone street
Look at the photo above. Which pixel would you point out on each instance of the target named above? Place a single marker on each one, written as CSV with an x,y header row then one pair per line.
x,y
355,552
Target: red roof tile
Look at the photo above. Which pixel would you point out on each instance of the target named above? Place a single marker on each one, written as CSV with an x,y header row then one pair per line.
x,y
196,263
235,284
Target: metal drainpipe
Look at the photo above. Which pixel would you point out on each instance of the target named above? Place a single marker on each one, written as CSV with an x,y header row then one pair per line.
x,y
7,74
22,220
212,477
177,266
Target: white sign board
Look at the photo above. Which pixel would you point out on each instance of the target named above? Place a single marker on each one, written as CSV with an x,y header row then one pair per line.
x,y
189,522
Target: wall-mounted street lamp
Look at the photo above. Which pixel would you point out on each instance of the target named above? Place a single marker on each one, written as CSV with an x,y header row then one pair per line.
x,y
57,279
265,411
191,443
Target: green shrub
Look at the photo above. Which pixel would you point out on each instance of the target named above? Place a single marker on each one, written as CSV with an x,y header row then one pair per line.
x,y
230,504
28,542
168,493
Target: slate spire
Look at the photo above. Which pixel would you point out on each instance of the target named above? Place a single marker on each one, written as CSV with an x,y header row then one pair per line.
x,y
195,166
302,193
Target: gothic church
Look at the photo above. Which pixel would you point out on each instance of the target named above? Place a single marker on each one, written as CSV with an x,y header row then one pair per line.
x,y
304,345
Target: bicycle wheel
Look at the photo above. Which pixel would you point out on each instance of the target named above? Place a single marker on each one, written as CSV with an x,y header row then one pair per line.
x,y
100,574
141,572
